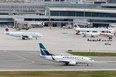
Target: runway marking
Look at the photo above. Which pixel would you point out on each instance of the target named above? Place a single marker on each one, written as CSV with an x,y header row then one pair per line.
x,y
32,61
16,55
23,58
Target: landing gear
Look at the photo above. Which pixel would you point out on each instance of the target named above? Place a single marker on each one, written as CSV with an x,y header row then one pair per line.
x,y
77,33
87,64
36,38
92,36
84,35
110,37
66,64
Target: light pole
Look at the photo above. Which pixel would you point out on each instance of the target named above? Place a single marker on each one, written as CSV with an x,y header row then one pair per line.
x,y
49,22
84,13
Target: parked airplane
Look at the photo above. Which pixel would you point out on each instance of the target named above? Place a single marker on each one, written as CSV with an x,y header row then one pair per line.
x,y
93,31
23,35
96,33
67,60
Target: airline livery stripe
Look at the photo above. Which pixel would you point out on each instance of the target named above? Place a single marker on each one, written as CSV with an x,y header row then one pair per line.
x,y
42,52
52,58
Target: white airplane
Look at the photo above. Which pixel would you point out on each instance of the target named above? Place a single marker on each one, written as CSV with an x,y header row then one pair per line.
x,y
96,33
67,60
24,35
93,31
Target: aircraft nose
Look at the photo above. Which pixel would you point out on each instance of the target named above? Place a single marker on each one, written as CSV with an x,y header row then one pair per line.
x,y
92,60
41,35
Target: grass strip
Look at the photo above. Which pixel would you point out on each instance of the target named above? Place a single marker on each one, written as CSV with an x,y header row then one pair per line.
x,y
93,54
60,74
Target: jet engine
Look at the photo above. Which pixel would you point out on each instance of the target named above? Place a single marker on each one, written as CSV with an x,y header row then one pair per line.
x,y
72,63
26,37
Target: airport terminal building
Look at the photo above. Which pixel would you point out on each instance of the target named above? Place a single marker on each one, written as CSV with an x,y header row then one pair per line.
x,y
58,13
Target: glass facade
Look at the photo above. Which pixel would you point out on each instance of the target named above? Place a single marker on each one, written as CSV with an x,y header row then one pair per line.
x,y
108,21
6,19
78,13
46,19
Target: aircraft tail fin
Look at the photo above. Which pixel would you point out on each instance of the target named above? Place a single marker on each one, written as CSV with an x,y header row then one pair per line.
x,y
6,29
75,26
43,50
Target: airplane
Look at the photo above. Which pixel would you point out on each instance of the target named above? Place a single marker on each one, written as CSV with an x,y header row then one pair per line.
x,y
67,60
93,31
23,35
96,33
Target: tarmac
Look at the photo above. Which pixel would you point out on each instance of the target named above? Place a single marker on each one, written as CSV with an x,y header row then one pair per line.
x,y
23,55
57,40
30,60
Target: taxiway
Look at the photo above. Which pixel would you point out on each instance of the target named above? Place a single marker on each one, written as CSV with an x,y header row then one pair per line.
x,y
30,60
17,54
